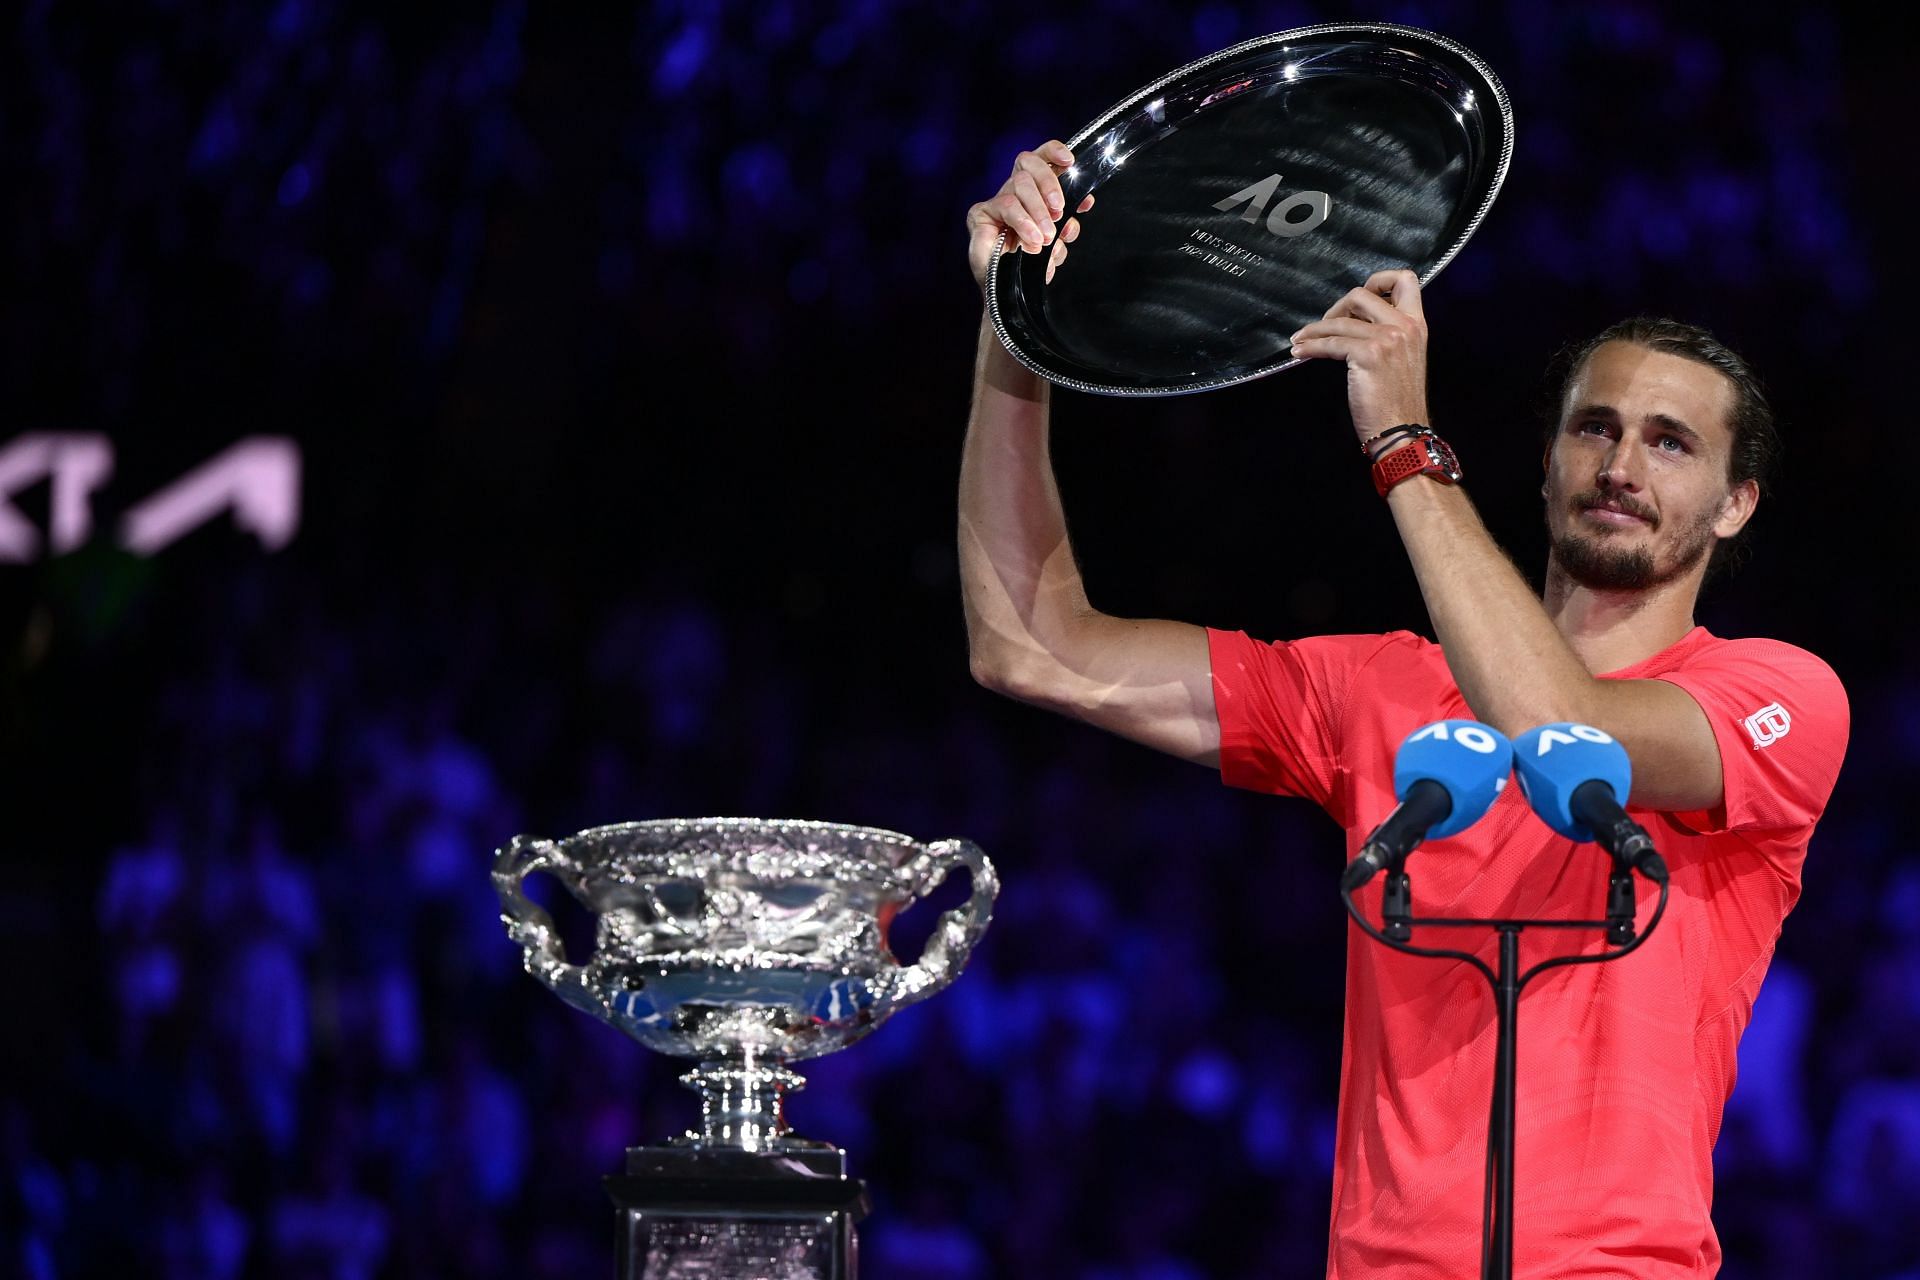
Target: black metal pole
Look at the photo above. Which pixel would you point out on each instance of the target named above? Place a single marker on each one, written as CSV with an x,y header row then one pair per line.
x,y
1506,1043
1496,1256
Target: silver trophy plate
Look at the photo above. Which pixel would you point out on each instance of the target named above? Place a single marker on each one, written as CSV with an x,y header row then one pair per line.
x,y
1241,195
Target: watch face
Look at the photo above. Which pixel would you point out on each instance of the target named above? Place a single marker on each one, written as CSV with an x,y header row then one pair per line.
x,y
1433,458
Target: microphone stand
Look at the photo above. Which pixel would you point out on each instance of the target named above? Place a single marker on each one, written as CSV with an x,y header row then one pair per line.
x,y
1496,1234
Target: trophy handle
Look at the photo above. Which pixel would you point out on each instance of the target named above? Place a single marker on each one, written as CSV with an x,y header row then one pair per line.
x,y
531,927
957,930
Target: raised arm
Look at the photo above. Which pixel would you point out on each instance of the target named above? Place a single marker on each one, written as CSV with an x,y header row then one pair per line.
x,y
1514,665
1031,632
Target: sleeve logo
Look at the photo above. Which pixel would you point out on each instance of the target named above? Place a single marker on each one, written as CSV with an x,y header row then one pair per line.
x,y
1768,725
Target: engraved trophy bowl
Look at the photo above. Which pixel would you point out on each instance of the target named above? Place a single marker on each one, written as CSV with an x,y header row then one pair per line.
x,y
743,944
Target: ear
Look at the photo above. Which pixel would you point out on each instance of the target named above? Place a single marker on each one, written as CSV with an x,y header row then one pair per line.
x,y
1738,508
1546,468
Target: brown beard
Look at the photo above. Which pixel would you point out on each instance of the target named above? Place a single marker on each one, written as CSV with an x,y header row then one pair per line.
x,y
1603,568
1592,563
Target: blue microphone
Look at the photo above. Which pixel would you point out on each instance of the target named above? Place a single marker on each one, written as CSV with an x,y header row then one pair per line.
x,y
1577,777
1445,776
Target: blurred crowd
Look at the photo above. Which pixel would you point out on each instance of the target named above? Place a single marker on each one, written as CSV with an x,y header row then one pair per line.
x,y
753,158
304,1047
268,1022
307,1047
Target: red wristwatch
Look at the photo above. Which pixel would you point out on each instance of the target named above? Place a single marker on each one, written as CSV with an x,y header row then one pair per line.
x,y
1428,455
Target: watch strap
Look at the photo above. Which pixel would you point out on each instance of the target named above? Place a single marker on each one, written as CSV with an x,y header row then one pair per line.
x,y
1427,455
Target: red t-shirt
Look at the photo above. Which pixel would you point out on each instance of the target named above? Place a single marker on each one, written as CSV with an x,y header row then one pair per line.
x,y
1623,1068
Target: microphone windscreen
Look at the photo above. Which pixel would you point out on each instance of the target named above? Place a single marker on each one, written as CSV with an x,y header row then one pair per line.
x,y
1471,760
1555,759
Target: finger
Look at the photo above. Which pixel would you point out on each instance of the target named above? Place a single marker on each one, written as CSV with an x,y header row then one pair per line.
x,y
1070,232
985,223
1012,213
1059,256
983,230
1056,153
1024,185
1046,182
1329,348
1402,287
1341,327
1344,305
986,218
1362,304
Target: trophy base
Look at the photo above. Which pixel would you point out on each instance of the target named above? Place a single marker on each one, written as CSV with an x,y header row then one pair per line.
x,y
690,1214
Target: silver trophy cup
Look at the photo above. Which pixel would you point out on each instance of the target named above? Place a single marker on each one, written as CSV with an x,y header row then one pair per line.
x,y
743,945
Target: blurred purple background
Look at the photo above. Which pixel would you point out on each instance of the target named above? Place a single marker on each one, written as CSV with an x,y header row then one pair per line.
x,y
627,352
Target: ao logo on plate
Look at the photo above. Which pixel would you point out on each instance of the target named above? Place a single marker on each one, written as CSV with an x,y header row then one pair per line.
x,y
1280,219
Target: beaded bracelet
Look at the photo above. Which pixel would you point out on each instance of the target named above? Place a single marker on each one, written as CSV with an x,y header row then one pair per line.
x,y
1404,429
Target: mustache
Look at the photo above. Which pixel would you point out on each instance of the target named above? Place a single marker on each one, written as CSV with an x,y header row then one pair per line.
x,y
1592,498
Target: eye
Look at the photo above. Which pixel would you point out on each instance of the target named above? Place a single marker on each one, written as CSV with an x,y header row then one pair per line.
x,y
1592,427
1673,444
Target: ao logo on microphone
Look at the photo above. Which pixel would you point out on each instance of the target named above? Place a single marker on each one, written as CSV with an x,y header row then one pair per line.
x,y
1470,736
1280,219
1551,738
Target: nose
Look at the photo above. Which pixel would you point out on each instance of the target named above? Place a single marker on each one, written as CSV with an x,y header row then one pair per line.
x,y
1621,467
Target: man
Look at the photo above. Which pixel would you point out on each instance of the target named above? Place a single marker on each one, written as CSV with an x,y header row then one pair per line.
x,y
1624,1068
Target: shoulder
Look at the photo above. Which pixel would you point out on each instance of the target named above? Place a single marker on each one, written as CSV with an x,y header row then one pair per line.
x,y
1334,661
1772,671
1353,650
1287,709
1752,649
1781,719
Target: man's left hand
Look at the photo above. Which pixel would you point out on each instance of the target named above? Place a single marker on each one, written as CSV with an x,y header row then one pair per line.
x,y
1381,332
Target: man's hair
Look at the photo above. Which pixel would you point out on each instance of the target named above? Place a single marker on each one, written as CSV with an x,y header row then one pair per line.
x,y
1756,436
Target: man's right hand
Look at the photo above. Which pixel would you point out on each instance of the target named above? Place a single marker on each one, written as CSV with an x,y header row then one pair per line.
x,y
1031,632
1028,208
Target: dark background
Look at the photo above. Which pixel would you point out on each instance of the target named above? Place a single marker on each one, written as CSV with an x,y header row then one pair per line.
x,y
628,352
